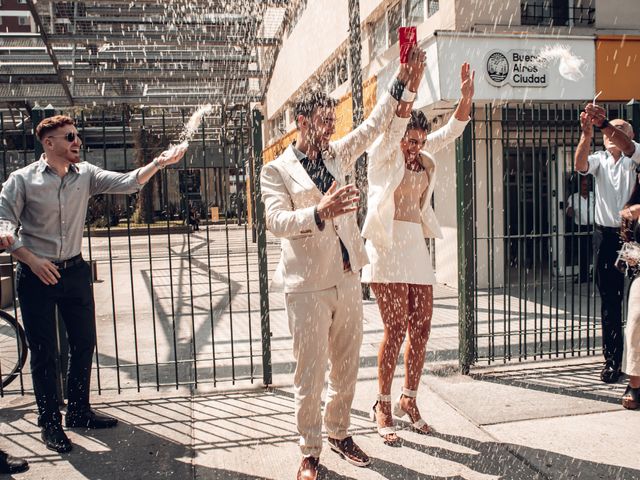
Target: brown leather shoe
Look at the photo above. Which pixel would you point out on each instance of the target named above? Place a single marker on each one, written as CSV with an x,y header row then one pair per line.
x,y
308,469
349,451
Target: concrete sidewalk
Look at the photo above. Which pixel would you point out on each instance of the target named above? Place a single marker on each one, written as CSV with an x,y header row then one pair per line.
x,y
549,420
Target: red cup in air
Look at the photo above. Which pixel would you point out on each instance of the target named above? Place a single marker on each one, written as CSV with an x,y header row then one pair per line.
x,y
408,37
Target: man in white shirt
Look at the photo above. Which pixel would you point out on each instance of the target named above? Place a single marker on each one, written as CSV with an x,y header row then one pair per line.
x,y
614,173
580,207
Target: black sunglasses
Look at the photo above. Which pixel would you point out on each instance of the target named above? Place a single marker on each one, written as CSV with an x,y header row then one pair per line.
x,y
70,137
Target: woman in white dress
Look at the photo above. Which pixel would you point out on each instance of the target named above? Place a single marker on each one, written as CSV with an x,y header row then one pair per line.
x,y
401,176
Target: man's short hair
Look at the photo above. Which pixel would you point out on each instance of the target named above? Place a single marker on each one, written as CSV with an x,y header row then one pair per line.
x,y
310,100
52,123
418,121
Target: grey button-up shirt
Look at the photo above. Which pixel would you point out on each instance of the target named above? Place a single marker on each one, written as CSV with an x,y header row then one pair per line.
x,y
52,210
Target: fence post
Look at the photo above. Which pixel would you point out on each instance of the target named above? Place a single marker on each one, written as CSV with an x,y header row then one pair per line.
x,y
633,115
261,232
466,260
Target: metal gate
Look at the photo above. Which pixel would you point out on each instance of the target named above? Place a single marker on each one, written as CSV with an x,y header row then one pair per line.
x,y
180,269
520,255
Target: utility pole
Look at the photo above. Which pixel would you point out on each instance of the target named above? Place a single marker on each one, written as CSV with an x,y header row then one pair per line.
x,y
357,104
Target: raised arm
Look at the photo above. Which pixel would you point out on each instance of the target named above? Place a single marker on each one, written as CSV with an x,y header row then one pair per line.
x,y
443,136
618,137
581,157
381,150
354,144
467,77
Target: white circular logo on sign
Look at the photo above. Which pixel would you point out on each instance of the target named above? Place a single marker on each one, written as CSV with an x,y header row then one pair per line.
x,y
497,68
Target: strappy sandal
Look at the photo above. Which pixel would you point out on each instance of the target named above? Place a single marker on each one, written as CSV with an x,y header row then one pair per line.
x,y
631,398
417,425
387,433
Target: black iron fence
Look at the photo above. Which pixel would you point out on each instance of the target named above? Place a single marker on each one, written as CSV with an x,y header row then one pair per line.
x,y
179,268
526,286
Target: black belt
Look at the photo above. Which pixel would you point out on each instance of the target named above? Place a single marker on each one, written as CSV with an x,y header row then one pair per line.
x,y
615,230
70,262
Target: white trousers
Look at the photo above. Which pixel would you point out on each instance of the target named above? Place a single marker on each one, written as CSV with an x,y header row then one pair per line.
x,y
326,326
632,331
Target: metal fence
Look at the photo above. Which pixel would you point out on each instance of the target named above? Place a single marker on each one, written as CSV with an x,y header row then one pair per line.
x,y
521,256
179,268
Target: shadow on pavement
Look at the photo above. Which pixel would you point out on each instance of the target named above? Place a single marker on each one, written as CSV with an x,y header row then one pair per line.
x,y
578,380
223,435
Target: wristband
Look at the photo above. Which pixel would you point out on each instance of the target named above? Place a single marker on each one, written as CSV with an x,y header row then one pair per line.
x,y
396,89
605,124
316,217
408,96
158,165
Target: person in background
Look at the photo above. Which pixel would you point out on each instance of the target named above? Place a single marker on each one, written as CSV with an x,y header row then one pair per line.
x,y
613,171
48,200
631,233
580,207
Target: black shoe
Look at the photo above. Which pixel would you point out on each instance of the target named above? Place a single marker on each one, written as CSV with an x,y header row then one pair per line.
x,y
89,419
9,464
55,439
610,374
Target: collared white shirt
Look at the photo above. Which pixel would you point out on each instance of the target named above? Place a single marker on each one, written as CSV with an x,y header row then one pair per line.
x,y
614,182
583,208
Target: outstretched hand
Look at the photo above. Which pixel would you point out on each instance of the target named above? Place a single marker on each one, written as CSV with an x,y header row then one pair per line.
x,y
6,241
174,154
467,77
338,201
596,114
586,124
415,65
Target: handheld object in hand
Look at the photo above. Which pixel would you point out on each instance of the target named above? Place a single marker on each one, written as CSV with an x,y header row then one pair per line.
x,y
408,37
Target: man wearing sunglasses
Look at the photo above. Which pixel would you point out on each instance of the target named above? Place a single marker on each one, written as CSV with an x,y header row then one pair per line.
x,y
49,199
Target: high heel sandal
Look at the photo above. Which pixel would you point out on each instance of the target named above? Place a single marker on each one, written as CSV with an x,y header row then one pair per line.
x,y
631,398
384,432
417,425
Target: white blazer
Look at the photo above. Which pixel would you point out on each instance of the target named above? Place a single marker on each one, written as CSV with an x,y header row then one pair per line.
x,y
311,258
385,172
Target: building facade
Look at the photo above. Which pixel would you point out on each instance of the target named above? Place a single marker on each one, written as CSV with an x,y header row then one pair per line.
x,y
525,117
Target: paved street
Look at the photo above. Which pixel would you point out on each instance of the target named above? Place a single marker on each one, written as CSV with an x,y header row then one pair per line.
x,y
546,419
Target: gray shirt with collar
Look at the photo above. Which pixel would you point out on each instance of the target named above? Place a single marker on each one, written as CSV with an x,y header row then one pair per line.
x,y
52,209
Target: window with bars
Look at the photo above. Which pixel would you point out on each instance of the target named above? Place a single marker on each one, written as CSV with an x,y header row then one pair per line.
x,y
557,12
414,12
433,6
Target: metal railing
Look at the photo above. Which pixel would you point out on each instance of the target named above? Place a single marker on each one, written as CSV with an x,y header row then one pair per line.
x,y
519,256
180,269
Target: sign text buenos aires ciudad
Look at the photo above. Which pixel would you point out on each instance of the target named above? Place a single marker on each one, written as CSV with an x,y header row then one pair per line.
x,y
518,68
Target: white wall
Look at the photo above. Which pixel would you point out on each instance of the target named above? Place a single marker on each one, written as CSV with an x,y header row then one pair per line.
x,y
322,28
617,14
446,207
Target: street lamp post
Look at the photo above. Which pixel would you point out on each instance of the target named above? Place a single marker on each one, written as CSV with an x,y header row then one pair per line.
x,y
357,104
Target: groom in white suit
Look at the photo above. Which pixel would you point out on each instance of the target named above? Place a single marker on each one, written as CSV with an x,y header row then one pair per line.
x,y
311,205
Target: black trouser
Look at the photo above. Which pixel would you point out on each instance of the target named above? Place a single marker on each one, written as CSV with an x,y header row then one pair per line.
x,y
610,282
74,298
